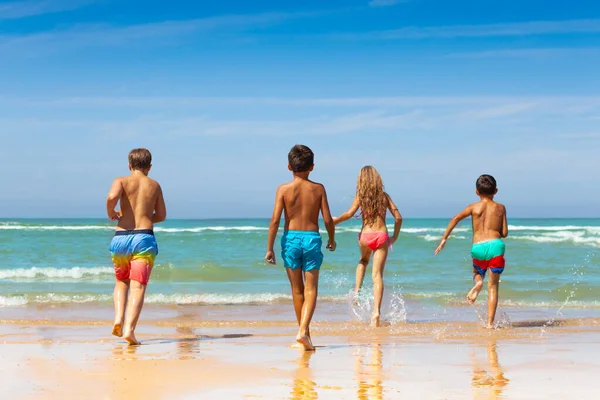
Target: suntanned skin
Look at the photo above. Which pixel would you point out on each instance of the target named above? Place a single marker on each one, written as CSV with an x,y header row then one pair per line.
x,y
142,205
379,255
301,202
489,222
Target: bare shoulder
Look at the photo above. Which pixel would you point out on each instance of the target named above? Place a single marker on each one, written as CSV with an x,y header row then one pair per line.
x,y
154,183
318,186
501,207
284,187
475,208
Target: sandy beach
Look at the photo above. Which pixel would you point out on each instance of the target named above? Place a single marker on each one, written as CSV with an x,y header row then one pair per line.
x,y
192,352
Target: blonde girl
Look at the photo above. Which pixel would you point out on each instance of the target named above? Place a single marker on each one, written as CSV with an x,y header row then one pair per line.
x,y
373,238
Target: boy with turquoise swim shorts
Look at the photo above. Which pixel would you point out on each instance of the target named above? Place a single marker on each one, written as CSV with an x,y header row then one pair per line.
x,y
301,201
489,226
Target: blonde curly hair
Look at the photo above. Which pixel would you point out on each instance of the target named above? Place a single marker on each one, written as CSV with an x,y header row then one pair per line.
x,y
371,194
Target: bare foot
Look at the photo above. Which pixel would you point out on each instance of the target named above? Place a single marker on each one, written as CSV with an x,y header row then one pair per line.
x,y
490,326
130,337
305,341
299,345
375,321
472,295
117,329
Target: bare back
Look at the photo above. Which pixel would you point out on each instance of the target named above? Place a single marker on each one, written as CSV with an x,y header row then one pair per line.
x,y
139,199
379,222
489,220
302,201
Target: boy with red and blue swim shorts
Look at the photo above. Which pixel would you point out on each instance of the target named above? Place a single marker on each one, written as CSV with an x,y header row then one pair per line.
x,y
489,227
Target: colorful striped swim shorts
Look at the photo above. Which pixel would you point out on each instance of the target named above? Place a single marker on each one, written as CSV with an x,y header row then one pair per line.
x,y
488,255
133,253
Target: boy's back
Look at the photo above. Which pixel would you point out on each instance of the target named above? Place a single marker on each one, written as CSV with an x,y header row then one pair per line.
x,y
133,248
139,199
489,220
302,203
489,226
301,200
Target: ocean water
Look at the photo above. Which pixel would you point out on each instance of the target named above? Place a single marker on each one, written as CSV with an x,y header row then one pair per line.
x,y
552,264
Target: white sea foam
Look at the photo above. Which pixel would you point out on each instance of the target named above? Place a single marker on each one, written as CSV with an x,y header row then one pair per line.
x,y
12,227
154,298
212,228
55,273
12,301
594,229
561,237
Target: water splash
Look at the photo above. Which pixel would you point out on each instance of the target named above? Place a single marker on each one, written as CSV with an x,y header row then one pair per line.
x,y
577,272
393,307
502,320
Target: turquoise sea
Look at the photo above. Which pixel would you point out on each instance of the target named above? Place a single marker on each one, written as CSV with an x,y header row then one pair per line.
x,y
552,265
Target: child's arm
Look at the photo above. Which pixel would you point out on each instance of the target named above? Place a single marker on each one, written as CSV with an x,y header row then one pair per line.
x,y
274,226
397,218
160,209
348,214
328,220
114,195
504,225
453,222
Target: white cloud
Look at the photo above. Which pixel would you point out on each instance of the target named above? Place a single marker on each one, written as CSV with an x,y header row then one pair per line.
x,y
528,28
104,34
133,117
529,53
385,3
28,8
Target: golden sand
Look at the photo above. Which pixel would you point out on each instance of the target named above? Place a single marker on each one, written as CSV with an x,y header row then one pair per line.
x,y
183,359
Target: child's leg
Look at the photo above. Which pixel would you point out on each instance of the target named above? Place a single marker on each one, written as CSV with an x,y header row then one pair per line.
x,y
297,284
137,291
120,300
493,283
478,285
365,255
311,287
379,259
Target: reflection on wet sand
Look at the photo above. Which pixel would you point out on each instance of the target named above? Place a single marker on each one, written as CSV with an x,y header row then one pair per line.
x,y
304,388
187,349
368,374
490,382
125,352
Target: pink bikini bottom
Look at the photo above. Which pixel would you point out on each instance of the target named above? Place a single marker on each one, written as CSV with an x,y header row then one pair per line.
x,y
374,240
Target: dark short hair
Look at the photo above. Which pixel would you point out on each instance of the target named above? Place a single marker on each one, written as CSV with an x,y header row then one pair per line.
x,y
140,159
301,158
486,184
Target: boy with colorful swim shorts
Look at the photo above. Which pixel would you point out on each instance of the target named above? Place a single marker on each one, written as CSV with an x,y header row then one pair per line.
x,y
489,226
301,200
133,248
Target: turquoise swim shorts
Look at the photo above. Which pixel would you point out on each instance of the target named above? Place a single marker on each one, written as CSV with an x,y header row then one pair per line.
x,y
301,249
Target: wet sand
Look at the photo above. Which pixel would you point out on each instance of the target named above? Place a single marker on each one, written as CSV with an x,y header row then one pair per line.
x,y
192,352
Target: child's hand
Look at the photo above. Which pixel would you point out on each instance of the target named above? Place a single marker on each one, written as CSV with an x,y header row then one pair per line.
x,y
440,247
336,220
393,239
331,246
113,215
270,257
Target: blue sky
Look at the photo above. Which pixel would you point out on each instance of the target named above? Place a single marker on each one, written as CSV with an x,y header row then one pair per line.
x,y
431,92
